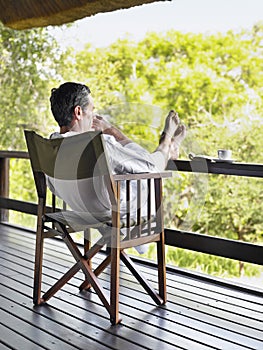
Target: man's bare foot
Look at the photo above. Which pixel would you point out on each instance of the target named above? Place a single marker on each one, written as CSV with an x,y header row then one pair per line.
x,y
171,124
177,139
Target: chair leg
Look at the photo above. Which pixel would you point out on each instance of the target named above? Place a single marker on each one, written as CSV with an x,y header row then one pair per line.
x,y
160,243
161,268
38,256
87,246
114,288
38,269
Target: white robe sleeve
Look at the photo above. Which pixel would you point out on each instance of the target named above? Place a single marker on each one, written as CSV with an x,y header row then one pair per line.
x,y
131,158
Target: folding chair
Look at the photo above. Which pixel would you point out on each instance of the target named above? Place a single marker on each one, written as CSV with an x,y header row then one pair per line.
x,y
82,157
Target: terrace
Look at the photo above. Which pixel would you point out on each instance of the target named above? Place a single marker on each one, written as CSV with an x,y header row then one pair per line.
x,y
202,312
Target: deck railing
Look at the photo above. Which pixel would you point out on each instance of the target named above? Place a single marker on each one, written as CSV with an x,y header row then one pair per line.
x,y
233,249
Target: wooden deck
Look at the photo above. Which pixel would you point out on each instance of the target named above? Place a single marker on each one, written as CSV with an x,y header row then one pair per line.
x,y
199,314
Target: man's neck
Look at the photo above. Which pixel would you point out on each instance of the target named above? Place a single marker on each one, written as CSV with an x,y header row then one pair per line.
x,y
64,129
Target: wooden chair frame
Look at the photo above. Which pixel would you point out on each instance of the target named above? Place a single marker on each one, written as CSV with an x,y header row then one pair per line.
x,y
139,231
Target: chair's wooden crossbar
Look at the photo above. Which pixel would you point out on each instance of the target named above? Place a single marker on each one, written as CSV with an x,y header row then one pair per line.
x,y
99,269
61,282
139,241
95,248
143,281
159,175
50,232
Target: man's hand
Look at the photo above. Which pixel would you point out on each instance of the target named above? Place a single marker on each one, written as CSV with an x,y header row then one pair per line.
x,y
100,124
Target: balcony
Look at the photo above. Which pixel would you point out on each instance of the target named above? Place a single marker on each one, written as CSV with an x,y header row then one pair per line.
x,y
202,312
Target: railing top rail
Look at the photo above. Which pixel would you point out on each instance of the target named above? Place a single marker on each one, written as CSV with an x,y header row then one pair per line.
x,y
208,167
203,166
14,154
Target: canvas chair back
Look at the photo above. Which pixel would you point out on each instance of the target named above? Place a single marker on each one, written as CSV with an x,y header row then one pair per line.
x,y
68,160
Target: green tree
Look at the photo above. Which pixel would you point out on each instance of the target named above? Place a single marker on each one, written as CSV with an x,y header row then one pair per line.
x,y
213,81
29,63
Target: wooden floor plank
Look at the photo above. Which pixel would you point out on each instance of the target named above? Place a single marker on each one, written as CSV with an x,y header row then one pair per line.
x,y
16,318
198,315
2,345
13,340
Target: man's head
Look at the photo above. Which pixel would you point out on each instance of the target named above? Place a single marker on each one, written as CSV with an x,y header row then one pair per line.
x,y
65,99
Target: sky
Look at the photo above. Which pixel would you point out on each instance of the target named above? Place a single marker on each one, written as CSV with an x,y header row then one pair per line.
x,y
183,15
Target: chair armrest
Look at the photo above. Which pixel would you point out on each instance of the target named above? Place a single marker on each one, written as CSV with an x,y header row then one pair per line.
x,y
140,176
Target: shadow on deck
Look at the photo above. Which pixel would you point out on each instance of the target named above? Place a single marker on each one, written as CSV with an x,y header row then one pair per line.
x,y
200,314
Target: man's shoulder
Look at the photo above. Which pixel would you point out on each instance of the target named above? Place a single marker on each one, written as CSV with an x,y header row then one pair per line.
x,y
55,135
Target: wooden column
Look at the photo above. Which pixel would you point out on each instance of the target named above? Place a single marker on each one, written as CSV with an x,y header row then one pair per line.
x,y
4,186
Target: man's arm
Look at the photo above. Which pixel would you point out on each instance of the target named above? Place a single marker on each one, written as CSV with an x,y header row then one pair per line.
x,y
101,124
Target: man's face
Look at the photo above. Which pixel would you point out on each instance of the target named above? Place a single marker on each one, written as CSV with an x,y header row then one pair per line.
x,y
87,114
89,110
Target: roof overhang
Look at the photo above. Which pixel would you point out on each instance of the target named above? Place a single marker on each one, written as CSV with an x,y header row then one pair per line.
x,y
24,14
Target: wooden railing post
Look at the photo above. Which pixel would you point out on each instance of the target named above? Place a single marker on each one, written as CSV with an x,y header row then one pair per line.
x,y
4,186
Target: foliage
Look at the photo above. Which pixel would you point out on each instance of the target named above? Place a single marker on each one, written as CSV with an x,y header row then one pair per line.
x,y
29,64
215,83
29,61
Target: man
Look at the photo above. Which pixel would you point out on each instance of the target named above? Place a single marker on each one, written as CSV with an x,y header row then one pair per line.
x,y
73,109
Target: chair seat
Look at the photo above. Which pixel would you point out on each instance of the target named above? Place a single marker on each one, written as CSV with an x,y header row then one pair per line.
x,y
83,220
78,220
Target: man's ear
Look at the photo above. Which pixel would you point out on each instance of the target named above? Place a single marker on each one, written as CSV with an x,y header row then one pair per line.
x,y
77,112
